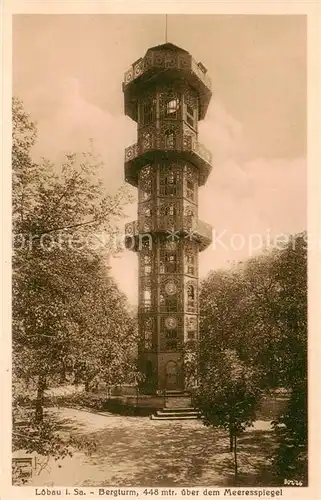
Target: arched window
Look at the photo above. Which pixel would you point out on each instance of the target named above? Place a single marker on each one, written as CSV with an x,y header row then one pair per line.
x,y
169,139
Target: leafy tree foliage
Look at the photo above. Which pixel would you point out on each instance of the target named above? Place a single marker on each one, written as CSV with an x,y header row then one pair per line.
x,y
259,309
228,396
68,314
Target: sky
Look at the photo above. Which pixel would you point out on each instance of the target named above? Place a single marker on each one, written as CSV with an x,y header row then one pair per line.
x,y
68,70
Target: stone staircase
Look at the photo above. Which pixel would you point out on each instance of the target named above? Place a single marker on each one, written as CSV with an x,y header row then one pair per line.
x,y
178,407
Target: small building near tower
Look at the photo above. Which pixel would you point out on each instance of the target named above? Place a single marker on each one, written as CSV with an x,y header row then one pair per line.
x,y
166,93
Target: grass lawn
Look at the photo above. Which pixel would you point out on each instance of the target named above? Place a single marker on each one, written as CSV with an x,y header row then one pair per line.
x,y
137,451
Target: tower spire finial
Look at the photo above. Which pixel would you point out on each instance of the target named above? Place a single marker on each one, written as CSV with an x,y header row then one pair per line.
x,y
166,28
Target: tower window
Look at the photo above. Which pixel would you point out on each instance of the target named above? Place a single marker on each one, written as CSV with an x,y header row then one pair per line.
x,y
172,108
148,111
190,115
189,110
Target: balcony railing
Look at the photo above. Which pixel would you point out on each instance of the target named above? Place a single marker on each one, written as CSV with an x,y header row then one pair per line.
x,y
188,144
197,147
193,228
200,73
204,229
166,60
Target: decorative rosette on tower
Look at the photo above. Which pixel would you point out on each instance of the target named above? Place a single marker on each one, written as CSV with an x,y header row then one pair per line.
x,y
167,93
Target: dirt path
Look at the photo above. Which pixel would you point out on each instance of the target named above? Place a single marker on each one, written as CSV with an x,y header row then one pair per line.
x,y
137,451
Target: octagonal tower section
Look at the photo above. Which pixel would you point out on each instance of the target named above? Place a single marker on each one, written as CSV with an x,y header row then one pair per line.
x,y
167,93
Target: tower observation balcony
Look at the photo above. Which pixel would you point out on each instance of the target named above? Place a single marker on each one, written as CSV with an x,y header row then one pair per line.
x,y
197,231
166,62
189,149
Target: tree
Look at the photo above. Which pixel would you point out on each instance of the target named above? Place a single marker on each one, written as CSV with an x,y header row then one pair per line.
x,y
259,309
190,362
292,425
228,397
59,212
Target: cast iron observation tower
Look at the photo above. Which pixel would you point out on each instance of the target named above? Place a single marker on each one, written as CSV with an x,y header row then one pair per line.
x,y
166,92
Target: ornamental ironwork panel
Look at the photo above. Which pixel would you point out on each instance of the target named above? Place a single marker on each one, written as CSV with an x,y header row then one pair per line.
x,y
146,216
170,257
131,152
170,295
138,68
146,261
190,184
146,183
189,216
170,135
190,258
146,294
170,180
171,332
147,138
191,295
169,215
148,332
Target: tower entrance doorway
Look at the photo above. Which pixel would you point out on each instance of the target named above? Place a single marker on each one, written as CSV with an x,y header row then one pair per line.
x,y
171,376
